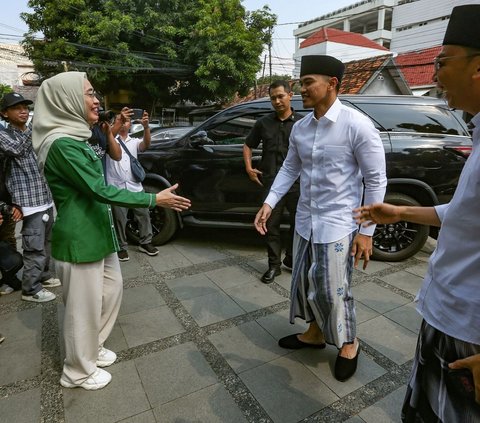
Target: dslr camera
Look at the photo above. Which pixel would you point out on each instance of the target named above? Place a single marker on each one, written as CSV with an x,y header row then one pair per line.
x,y
5,209
106,116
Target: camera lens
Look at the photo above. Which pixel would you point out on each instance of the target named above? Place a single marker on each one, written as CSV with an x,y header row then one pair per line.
x,y
106,116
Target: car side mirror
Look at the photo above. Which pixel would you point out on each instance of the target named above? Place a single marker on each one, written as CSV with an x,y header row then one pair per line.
x,y
200,138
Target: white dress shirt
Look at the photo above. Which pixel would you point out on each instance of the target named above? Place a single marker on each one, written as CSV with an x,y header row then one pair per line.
x,y
119,173
332,155
449,299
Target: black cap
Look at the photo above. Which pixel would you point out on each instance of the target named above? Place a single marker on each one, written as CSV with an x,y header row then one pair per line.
x,y
11,99
322,65
463,27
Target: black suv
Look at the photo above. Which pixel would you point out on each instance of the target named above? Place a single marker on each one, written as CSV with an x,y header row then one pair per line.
x,y
426,146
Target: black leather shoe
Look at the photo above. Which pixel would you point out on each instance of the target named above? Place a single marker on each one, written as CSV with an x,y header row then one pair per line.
x,y
269,275
293,343
288,262
345,368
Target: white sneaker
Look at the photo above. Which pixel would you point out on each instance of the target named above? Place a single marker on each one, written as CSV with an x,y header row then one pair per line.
x,y
98,380
5,289
40,297
105,357
51,283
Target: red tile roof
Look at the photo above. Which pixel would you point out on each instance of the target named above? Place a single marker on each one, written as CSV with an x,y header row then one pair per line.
x,y
359,72
417,66
337,36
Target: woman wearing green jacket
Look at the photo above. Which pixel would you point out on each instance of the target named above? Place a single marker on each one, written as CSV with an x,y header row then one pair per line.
x,y
84,243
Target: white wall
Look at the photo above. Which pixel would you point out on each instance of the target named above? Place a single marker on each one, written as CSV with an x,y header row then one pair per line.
x,y
415,13
382,85
340,15
9,74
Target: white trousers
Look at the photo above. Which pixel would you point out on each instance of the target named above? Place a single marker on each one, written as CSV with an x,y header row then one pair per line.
x,y
92,295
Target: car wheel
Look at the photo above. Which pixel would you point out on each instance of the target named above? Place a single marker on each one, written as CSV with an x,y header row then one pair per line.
x,y
401,240
164,223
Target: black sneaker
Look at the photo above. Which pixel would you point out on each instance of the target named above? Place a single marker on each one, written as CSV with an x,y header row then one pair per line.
x,y
148,249
123,255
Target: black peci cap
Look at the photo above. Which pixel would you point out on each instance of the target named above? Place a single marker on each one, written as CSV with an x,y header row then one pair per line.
x,y
322,65
11,99
464,26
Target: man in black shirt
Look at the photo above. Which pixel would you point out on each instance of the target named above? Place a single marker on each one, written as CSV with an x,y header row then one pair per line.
x,y
273,131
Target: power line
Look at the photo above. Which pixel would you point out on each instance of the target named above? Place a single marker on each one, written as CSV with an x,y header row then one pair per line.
x,y
12,27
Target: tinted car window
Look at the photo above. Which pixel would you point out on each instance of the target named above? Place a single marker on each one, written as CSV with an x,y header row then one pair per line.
x,y
233,131
414,118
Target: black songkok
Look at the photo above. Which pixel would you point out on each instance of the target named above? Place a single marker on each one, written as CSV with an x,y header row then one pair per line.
x,y
463,27
322,65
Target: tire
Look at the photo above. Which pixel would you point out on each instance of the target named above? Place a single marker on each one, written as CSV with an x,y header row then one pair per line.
x,y
399,241
165,223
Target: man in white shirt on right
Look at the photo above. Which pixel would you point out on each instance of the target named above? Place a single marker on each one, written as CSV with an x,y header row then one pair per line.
x,y
444,384
338,155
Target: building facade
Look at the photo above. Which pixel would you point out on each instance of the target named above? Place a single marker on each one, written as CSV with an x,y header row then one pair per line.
x,y
372,18
345,46
421,24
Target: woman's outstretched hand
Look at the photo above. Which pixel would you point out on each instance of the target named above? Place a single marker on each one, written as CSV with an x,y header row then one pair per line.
x,y
167,198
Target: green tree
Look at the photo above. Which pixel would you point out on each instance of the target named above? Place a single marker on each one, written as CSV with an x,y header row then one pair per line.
x,y
5,89
198,50
266,79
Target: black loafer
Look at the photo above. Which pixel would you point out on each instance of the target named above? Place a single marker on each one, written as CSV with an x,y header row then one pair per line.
x,y
269,275
288,262
293,343
345,368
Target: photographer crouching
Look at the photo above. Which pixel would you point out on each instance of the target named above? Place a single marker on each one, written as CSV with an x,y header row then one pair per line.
x,y
10,260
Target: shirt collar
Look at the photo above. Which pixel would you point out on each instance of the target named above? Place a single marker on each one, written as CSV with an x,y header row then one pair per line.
x,y
332,113
476,122
291,117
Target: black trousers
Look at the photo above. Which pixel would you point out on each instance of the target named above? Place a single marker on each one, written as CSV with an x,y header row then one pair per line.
x,y
10,263
274,239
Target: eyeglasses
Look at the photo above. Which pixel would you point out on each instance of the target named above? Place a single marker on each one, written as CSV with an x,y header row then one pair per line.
x,y
91,94
438,61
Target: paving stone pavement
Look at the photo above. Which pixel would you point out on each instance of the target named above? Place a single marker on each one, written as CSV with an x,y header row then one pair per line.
x,y
196,340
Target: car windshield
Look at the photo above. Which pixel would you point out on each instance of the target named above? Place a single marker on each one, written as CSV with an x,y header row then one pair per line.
x,y
420,118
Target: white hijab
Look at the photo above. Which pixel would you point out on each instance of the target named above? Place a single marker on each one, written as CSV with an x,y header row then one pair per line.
x,y
59,112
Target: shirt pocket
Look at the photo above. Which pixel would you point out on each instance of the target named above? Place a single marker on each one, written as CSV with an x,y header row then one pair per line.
x,y
90,153
334,157
92,157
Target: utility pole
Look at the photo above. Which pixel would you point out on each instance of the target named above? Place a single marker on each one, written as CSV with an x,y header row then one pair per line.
x,y
264,63
270,53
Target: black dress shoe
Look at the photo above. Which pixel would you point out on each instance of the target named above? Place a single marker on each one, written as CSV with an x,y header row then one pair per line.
x,y
293,343
288,262
269,275
345,368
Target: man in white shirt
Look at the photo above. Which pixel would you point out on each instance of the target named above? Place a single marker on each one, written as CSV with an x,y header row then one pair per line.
x,y
338,154
444,384
119,174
